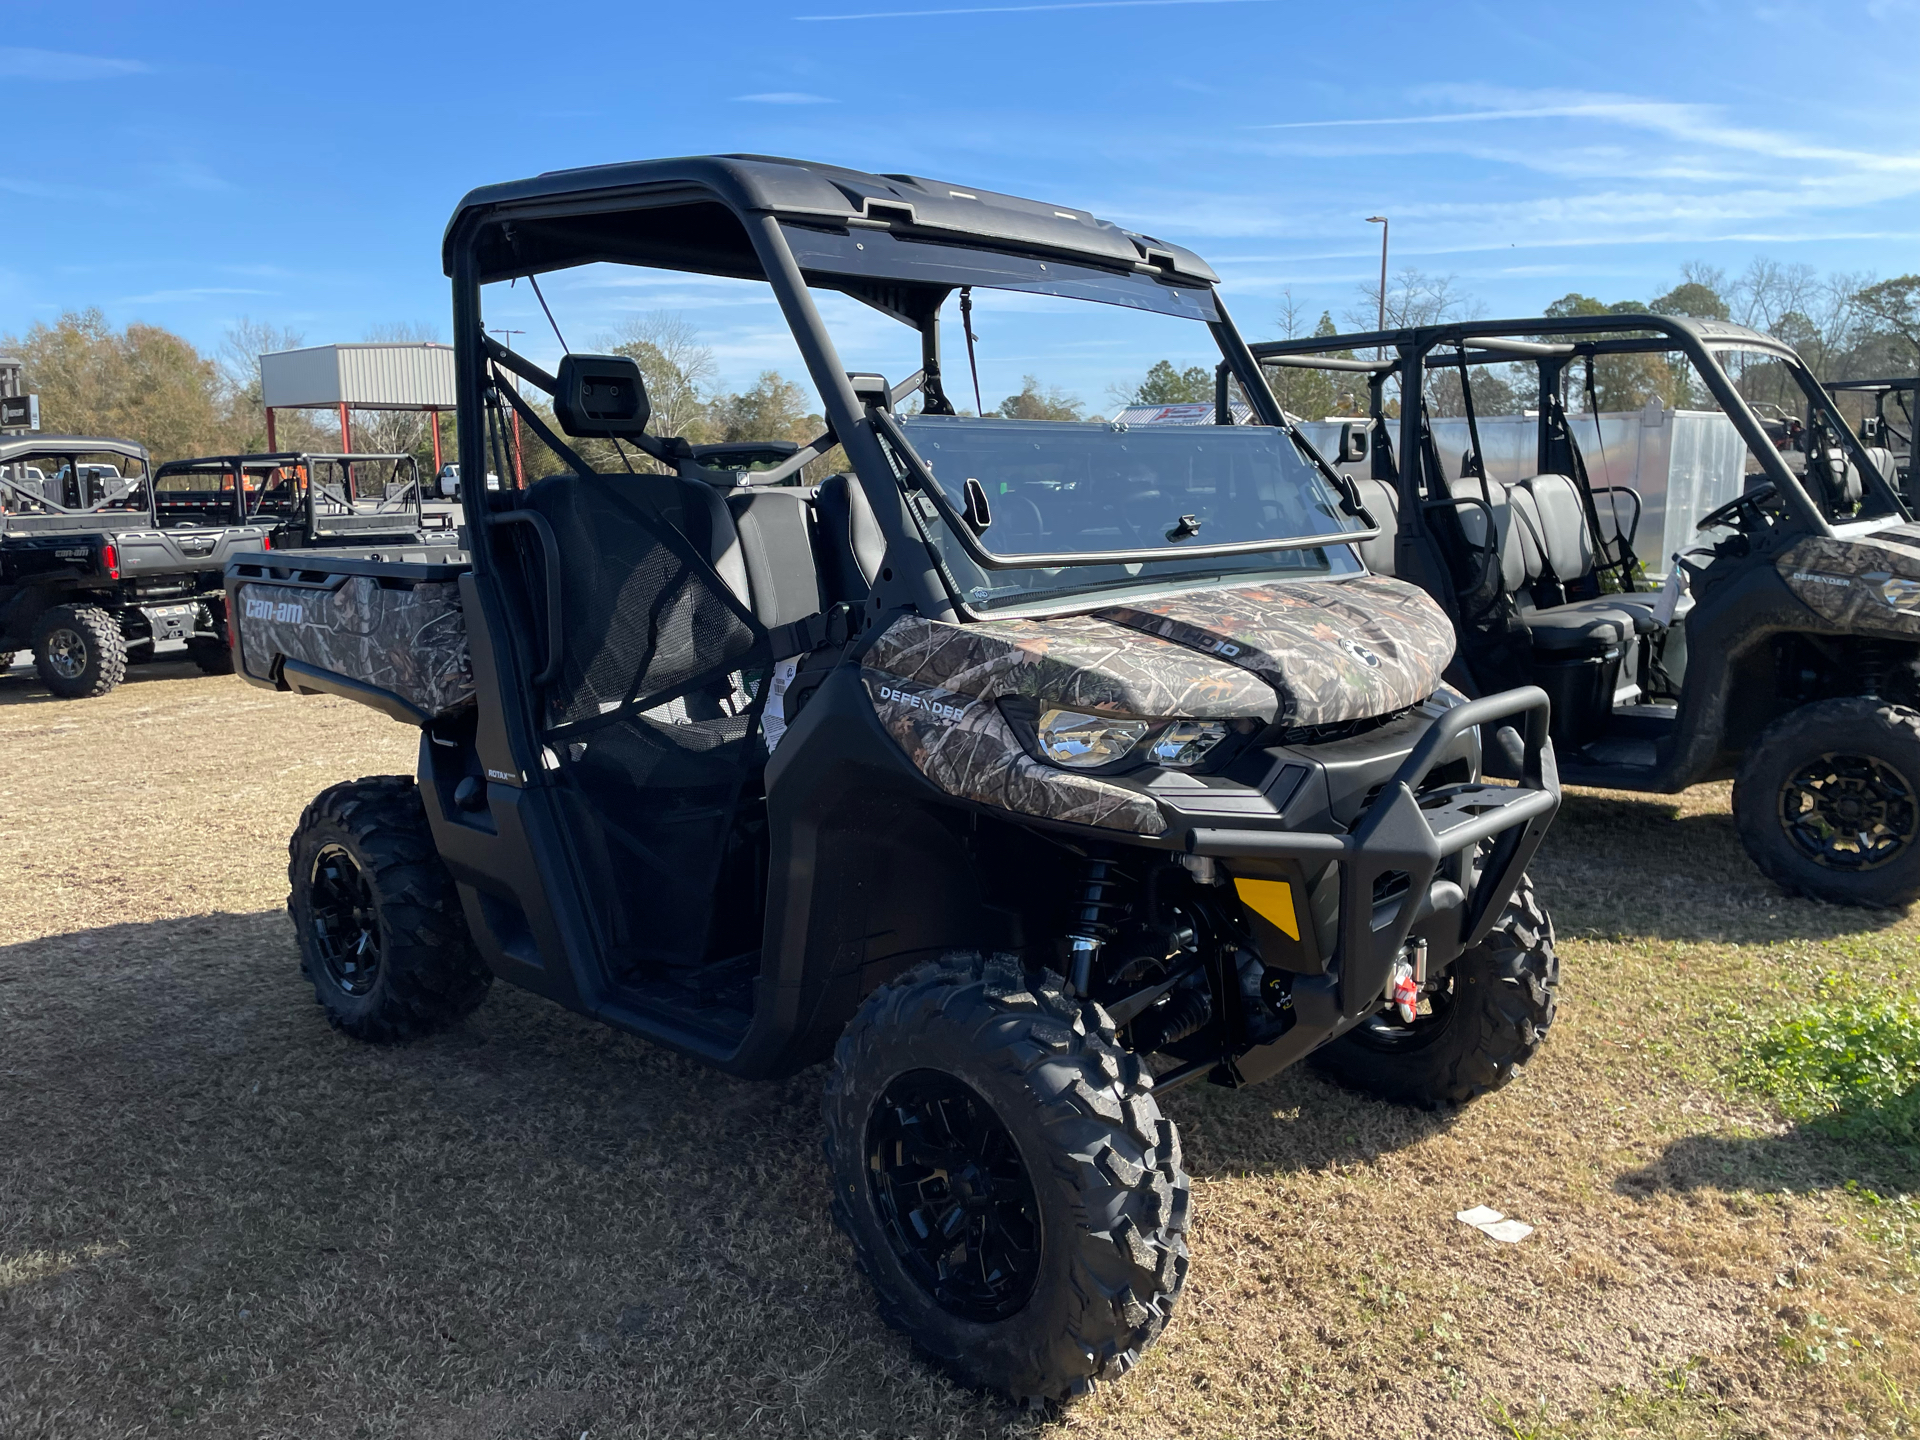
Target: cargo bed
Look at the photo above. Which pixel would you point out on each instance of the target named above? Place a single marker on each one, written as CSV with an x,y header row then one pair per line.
x,y
383,626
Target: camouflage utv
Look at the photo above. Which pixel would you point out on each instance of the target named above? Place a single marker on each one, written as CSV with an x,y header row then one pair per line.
x,y
1024,769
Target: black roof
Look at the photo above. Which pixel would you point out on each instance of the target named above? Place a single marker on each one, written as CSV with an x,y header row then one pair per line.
x,y
14,446
546,222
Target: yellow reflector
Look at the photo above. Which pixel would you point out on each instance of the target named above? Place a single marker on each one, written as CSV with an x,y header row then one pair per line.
x,y
1272,900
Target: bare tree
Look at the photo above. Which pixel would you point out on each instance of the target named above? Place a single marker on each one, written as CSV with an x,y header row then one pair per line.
x,y
245,342
1414,297
678,368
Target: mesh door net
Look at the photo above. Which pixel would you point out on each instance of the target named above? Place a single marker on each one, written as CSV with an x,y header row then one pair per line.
x,y
652,714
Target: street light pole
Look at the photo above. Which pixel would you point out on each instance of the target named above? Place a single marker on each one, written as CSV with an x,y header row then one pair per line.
x,y
1381,221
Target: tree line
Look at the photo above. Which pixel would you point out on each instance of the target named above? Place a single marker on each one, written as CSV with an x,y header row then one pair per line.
x,y
146,383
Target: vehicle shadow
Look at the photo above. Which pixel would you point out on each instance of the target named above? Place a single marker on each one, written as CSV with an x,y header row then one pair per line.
x,y
528,1202
21,686
1673,868
528,1223
1798,1159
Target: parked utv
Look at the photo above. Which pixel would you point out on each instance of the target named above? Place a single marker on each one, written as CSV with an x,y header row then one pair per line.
x,y
92,573
309,500
1880,430
1024,769
1782,650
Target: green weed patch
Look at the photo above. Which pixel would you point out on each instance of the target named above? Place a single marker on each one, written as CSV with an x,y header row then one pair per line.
x,y
1849,1064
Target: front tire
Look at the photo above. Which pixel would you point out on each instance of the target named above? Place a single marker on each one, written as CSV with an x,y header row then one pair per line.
x,y
1486,1019
79,651
1827,805
1010,1187
381,933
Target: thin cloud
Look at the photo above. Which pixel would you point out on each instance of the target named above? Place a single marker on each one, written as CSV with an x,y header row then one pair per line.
x,y
1465,117
1026,9
787,97
202,292
20,63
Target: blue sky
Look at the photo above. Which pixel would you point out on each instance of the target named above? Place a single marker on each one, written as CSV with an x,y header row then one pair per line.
x,y
187,164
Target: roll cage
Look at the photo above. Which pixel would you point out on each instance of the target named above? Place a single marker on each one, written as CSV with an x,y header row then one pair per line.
x,y
901,244
1555,344
17,450
280,485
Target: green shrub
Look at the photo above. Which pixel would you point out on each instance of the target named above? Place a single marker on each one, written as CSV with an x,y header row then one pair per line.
x,y
1849,1065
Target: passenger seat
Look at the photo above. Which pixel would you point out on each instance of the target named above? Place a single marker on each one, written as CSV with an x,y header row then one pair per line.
x,y
852,542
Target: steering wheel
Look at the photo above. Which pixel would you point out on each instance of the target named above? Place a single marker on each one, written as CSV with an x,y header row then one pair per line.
x,y
1742,513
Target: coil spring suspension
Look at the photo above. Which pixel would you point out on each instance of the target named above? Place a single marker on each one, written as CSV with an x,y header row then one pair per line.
x,y
1098,908
1870,667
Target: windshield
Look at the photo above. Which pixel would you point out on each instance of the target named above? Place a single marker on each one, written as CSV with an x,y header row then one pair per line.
x,y
1059,487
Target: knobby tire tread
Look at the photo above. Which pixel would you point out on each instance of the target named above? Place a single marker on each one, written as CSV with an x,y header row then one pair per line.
x,y
1506,996
1104,1162
431,975
104,641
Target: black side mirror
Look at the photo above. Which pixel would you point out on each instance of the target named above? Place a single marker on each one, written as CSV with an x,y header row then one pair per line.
x,y
602,396
1353,443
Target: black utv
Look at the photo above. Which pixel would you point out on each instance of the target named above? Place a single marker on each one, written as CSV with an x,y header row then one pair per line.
x,y
1022,769
93,573
1782,650
308,500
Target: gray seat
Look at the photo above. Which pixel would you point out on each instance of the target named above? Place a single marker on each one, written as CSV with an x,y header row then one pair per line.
x,y
1535,540
1382,502
852,543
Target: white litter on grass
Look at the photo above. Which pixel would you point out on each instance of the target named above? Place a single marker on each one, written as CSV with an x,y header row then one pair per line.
x,y
1489,1221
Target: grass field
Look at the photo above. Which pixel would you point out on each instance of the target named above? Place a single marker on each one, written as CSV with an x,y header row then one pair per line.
x,y
218,1217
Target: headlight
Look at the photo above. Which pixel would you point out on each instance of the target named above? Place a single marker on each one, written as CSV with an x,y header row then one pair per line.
x,y
1080,741
1086,742
1186,742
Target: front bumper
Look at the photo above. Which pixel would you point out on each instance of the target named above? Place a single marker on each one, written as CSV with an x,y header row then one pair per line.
x,y
1437,867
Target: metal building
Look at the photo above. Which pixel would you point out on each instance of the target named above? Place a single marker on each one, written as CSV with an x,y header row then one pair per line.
x,y
375,376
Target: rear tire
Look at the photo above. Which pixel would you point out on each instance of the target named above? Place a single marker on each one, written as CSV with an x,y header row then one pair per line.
x,y
1816,782
79,651
381,933
969,1101
1491,1017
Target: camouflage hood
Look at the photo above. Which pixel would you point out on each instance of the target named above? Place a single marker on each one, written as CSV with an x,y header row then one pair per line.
x,y
1869,581
1331,650
1307,653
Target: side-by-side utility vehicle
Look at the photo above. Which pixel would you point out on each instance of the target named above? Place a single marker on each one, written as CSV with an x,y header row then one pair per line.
x,y
93,573
1023,769
309,501
1783,648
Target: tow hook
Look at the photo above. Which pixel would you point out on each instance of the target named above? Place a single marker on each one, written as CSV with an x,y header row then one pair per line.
x,y
1408,978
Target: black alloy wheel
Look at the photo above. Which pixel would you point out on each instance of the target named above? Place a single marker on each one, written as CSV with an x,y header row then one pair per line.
x,y
1006,1177
382,934
67,653
1848,812
346,921
954,1196
1826,804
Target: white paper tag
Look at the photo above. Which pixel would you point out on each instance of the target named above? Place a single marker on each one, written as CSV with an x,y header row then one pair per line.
x,y
773,719
1489,1221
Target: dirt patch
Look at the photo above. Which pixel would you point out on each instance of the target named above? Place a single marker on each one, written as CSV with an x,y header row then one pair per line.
x,y
219,1217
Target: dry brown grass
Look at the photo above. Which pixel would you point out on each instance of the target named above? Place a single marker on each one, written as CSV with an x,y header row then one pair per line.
x,y
218,1217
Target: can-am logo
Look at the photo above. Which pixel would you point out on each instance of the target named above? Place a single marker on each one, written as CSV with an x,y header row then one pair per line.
x,y
921,702
1361,653
285,610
